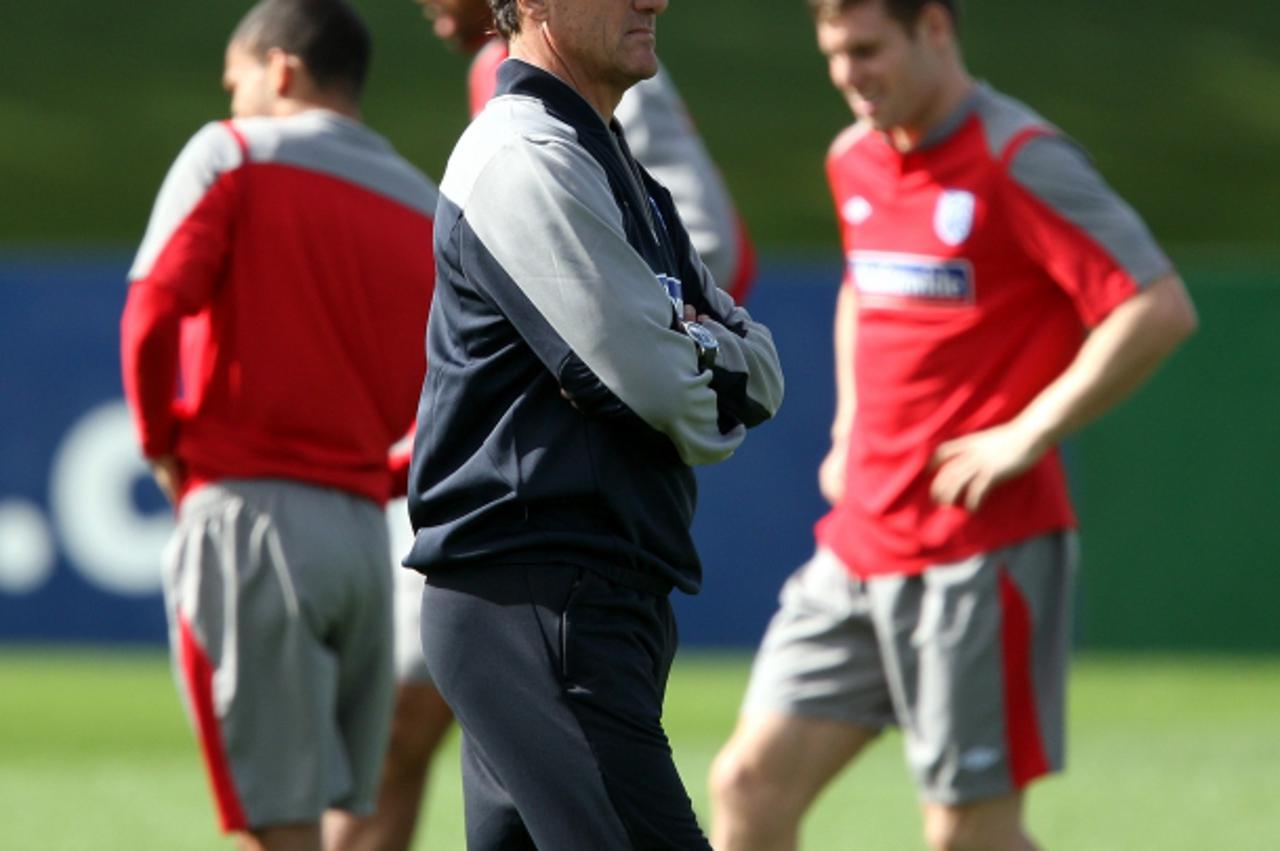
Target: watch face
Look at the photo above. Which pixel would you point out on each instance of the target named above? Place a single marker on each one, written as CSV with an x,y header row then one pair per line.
x,y
700,335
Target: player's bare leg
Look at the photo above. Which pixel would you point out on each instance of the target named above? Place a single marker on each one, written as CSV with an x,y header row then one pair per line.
x,y
294,837
421,720
991,825
771,770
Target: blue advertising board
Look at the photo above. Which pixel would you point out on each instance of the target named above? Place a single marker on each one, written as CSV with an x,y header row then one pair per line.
x,y
82,528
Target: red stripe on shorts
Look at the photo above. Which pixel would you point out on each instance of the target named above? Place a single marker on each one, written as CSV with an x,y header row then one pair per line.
x,y
198,674
1027,759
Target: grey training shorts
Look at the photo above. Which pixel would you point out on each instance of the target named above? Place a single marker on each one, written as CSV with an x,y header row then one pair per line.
x,y
968,658
279,605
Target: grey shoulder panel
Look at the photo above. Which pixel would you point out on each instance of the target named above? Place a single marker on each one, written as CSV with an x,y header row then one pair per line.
x,y
505,119
1058,172
325,142
1004,118
209,154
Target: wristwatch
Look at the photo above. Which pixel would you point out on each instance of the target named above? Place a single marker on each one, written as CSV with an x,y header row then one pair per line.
x,y
705,342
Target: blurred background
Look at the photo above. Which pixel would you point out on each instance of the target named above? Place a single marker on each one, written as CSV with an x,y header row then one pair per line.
x,y
1178,103
1180,109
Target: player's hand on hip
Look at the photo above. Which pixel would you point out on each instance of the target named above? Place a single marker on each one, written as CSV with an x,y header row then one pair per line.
x,y
831,473
970,467
168,475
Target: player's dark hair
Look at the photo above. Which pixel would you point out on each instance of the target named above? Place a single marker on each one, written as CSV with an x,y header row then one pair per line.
x,y
905,12
327,35
506,17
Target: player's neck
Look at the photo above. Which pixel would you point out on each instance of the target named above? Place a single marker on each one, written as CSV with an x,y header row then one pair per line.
x,y
295,106
952,91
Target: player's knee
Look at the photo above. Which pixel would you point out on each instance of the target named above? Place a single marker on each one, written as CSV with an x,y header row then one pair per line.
x,y
942,832
731,779
752,808
742,785
969,829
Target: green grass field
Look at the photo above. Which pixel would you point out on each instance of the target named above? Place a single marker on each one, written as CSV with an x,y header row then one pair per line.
x,y
1170,754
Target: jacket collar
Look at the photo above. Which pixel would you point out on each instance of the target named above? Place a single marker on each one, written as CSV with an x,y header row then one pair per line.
x,y
517,77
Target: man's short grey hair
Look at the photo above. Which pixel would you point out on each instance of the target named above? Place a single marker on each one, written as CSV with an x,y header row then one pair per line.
x,y
506,17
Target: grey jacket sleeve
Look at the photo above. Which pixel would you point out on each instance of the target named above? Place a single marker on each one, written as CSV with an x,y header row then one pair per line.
x,y
543,210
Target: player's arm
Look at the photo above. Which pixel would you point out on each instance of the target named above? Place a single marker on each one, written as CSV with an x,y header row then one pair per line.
x,y
1116,358
583,299
1105,259
399,457
832,470
177,267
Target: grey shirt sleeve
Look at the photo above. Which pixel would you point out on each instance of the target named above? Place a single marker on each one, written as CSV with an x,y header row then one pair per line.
x,y
543,209
1059,173
208,154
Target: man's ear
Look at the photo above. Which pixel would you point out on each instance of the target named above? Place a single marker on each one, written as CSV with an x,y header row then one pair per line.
x,y
536,11
936,24
282,72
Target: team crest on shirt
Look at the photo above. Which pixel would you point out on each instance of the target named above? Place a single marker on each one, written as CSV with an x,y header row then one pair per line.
x,y
953,217
856,210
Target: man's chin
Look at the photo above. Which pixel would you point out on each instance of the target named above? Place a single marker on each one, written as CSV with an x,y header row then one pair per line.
x,y
644,68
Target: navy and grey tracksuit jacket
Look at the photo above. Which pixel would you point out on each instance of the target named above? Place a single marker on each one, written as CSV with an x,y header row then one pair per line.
x,y
549,243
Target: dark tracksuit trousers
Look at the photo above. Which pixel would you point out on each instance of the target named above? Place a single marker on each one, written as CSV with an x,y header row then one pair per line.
x,y
558,676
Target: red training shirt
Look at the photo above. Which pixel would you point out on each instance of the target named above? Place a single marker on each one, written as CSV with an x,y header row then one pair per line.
x,y
979,259
275,317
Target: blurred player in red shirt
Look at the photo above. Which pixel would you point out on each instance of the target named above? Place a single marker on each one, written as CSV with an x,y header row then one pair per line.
x,y
998,296
282,288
